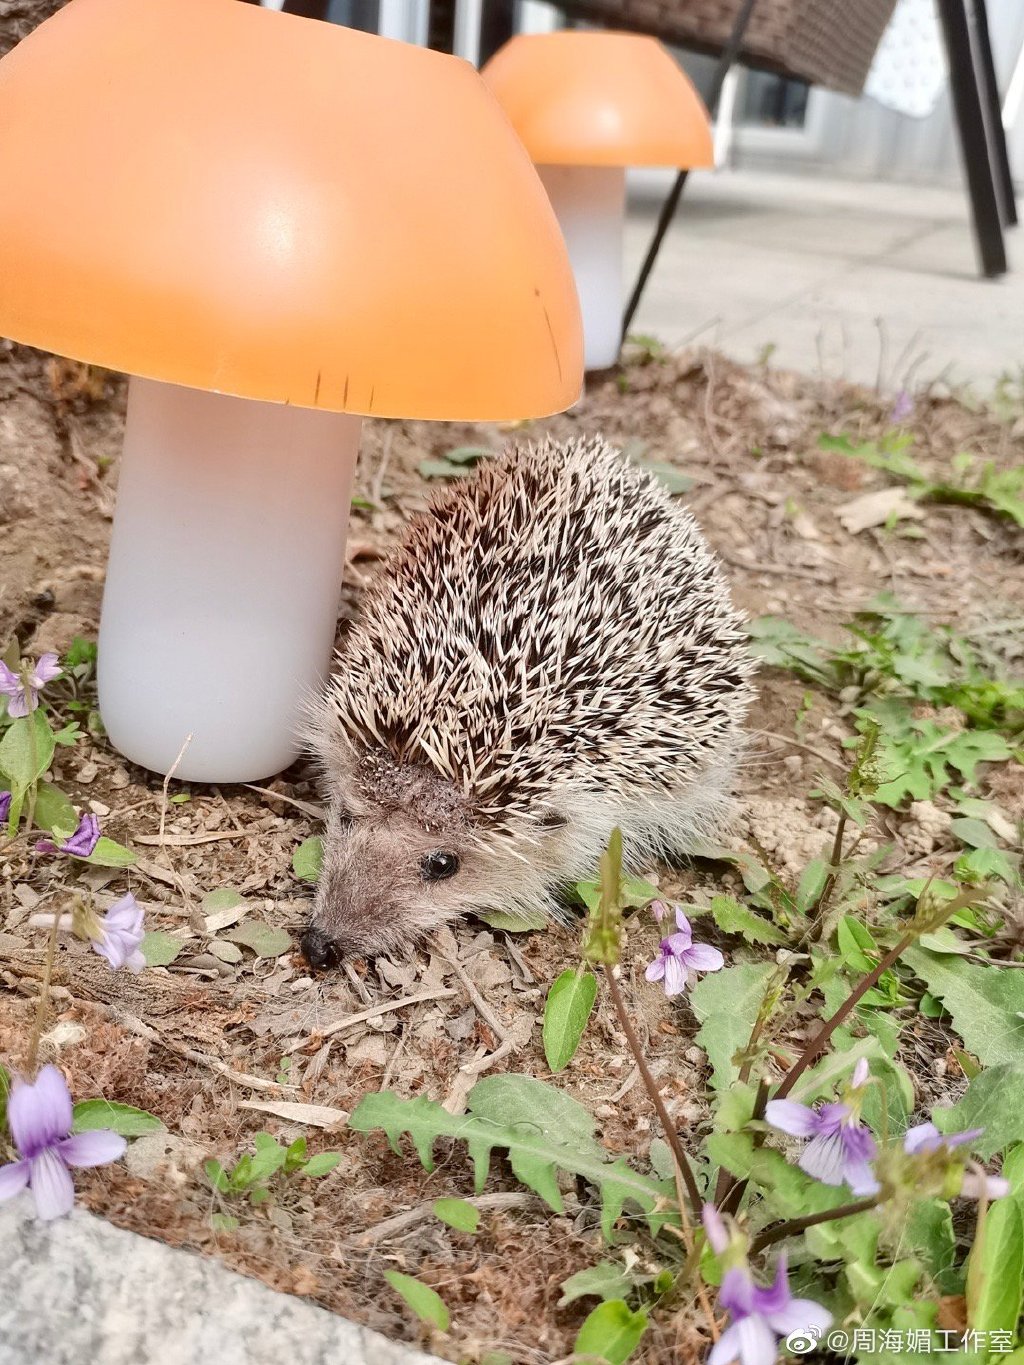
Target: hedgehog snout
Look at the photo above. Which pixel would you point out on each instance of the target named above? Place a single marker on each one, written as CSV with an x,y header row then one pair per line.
x,y
321,950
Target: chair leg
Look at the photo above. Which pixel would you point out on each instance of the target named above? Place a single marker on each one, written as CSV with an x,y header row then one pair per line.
x,y
994,113
970,117
668,210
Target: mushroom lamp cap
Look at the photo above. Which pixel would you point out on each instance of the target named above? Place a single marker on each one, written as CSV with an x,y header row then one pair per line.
x,y
600,99
226,197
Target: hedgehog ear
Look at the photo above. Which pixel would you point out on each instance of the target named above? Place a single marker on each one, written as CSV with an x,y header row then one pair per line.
x,y
551,819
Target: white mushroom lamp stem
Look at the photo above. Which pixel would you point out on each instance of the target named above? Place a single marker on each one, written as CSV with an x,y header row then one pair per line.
x,y
590,204
222,587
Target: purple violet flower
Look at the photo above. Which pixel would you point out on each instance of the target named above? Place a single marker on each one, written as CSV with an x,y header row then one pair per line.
x,y
925,1137
80,844
5,806
714,1227
902,408
22,699
39,1117
840,1148
760,1317
678,955
121,933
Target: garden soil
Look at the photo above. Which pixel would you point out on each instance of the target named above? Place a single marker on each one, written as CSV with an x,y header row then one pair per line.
x,y
216,1043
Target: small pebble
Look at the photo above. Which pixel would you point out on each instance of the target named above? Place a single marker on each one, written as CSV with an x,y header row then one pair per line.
x,y
87,772
98,808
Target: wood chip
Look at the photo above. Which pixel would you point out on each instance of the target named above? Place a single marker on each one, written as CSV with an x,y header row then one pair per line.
x,y
189,840
312,1115
377,1010
875,509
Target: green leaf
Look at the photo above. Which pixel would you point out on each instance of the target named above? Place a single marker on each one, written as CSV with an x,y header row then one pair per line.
x,y
995,1268
812,883
69,735
121,1118
782,645
264,940
855,944
18,760
217,1176
295,1155
425,1302
673,480
321,1164
524,1101
992,1102
611,1332
458,1213
269,1157
468,454
929,1234
918,755
308,859
566,1012
109,853
160,948
533,1154
53,808
727,1003
732,917
606,1280
636,893
441,469
974,833
223,898
987,1005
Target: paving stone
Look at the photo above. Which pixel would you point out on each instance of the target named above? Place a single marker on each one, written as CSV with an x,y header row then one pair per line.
x,y
79,1291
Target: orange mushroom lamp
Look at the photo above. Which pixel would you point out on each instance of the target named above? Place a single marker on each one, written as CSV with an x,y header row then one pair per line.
x,y
275,225
587,105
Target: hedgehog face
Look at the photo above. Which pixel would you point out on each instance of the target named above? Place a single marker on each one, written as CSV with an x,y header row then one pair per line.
x,y
385,882
399,861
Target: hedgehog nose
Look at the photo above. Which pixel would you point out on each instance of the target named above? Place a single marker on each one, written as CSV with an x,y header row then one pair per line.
x,y
320,950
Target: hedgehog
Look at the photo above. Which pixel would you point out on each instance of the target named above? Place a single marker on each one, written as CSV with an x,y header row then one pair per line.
x,y
549,654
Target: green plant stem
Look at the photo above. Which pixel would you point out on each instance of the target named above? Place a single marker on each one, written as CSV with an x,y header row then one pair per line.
x,y
671,1136
794,1225
732,1194
835,862
726,1182
33,748
44,997
820,1039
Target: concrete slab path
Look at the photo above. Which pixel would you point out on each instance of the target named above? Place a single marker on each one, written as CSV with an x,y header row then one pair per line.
x,y
81,1292
856,280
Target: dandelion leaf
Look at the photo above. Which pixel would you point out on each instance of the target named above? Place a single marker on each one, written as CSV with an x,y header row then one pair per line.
x,y
534,1151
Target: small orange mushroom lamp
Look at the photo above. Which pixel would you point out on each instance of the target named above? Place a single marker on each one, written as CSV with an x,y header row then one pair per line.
x,y
276,224
587,105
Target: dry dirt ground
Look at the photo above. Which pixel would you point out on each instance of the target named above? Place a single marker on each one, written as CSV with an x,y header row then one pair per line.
x,y
211,1045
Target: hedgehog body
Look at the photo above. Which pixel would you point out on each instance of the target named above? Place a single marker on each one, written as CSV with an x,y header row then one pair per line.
x,y
550,653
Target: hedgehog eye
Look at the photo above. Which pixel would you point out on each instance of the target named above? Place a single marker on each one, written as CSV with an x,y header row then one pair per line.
x,y
439,866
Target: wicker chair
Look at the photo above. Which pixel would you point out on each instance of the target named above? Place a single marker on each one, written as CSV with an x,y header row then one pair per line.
x,y
825,42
